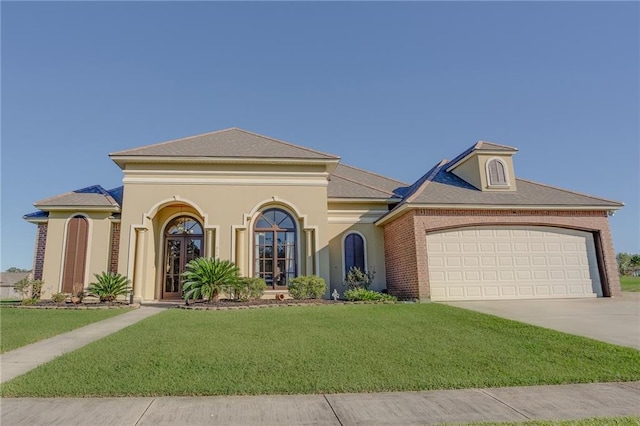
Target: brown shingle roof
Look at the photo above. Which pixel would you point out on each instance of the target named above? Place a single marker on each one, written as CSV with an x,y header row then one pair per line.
x,y
444,188
351,182
91,196
234,143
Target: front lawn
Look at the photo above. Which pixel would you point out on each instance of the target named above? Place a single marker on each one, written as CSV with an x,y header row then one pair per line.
x,y
630,283
324,349
20,327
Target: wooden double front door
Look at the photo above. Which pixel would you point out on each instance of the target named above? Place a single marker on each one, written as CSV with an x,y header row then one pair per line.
x,y
183,242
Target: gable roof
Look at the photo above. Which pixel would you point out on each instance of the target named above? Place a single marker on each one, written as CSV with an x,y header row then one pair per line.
x,y
227,143
481,146
91,196
351,182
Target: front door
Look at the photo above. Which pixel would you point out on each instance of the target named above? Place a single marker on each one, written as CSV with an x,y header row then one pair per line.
x,y
183,243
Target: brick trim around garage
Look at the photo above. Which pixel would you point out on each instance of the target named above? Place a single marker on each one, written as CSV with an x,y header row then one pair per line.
x,y
406,243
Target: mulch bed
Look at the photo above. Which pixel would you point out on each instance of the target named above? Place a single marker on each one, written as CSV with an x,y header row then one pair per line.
x,y
48,304
226,304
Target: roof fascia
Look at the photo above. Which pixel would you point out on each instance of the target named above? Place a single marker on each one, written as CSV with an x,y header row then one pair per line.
x,y
363,200
121,161
36,220
78,207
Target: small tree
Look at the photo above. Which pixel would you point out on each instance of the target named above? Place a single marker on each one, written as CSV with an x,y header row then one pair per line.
x,y
23,287
356,278
108,286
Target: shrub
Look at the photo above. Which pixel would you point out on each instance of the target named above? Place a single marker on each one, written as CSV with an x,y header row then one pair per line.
x,y
26,286
307,287
109,286
361,294
29,302
356,278
58,297
247,288
206,278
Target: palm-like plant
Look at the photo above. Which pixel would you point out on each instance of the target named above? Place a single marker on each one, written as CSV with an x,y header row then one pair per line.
x,y
109,286
205,278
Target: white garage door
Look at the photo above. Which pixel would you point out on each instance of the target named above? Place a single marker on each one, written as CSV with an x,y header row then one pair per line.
x,y
527,262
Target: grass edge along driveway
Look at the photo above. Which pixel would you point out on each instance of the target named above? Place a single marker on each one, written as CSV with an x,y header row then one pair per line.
x,y
324,349
20,327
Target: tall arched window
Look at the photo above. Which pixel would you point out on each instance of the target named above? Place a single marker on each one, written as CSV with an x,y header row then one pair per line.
x,y
354,255
275,247
497,172
75,255
183,242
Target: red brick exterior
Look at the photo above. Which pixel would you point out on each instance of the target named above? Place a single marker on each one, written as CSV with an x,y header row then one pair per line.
x,y
406,242
115,247
38,258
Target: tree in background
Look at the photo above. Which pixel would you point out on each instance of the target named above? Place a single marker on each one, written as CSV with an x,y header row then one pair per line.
x,y
628,264
14,269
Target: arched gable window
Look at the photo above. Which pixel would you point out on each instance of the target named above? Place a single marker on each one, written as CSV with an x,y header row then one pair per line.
x,y
75,255
275,247
354,254
497,172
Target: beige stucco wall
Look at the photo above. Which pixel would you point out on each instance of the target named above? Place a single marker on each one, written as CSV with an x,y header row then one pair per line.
x,y
226,202
98,244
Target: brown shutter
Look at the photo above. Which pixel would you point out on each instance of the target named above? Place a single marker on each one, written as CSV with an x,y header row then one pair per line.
x,y
75,254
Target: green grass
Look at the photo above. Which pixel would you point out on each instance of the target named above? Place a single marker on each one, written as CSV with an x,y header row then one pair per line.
x,y
20,327
594,421
324,349
630,283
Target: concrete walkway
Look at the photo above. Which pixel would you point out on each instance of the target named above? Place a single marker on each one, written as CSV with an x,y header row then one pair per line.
x,y
399,408
17,362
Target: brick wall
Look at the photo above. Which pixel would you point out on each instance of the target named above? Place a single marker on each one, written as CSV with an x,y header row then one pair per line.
x,y
400,257
115,247
421,221
38,258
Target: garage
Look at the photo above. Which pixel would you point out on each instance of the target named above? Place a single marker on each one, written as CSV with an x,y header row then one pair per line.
x,y
512,262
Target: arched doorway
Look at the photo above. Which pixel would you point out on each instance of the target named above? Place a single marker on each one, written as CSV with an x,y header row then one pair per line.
x,y
183,242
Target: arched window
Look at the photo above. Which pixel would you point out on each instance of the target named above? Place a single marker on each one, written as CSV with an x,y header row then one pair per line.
x,y
183,242
354,255
75,255
275,247
497,172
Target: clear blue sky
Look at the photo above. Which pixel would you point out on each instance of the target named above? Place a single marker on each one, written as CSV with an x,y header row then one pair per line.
x,y
390,87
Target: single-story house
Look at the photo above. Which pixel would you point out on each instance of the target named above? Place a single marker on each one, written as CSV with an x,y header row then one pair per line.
x,y
468,229
8,280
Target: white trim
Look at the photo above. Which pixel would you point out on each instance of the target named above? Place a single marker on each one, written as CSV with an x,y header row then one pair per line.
x,y
354,216
342,253
364,200
505,185
46,208
224,173
87,252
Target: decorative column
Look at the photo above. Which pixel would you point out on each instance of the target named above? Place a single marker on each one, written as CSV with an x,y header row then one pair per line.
x,y
138,272
210,250
309,251
241,251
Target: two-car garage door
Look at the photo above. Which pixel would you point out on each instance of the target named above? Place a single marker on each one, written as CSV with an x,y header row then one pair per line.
x,y
512,262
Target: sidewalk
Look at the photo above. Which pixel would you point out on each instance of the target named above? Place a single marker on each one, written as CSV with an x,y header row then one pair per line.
x,y
399,408
17,362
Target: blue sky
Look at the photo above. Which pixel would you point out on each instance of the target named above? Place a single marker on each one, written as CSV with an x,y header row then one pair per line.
x,y
390,87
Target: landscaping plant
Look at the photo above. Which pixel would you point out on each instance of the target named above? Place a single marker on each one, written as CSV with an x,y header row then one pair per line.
x,y
307,287
361,294
109,286
247,288
205,278
357,278
58,297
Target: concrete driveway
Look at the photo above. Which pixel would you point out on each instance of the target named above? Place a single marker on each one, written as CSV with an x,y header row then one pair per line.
x,y
612,320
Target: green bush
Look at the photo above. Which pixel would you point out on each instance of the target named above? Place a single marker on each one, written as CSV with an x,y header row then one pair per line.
x,y
58,297
205,278
109,286
307,287
357,278
29,302
361,294
247,288
27,285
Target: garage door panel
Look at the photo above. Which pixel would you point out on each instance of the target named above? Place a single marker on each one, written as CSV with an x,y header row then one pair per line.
x,y
512,262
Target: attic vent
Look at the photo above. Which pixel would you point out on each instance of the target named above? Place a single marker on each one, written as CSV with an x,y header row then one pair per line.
x,y
496,171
